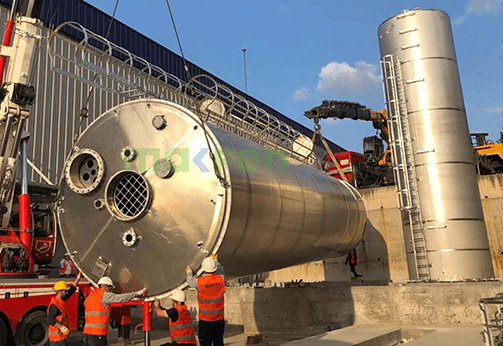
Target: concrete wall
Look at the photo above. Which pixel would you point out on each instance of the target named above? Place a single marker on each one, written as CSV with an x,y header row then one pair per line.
x,y
382,251
317,308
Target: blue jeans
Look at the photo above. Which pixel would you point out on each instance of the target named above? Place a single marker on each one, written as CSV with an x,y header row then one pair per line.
x,y
211,333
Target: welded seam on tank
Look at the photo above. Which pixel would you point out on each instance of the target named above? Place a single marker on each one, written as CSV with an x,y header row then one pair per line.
x,y
348,208
456,219
246,223
428,58
324,212
225,212
97,238
445,163
457,250
299,234
436,109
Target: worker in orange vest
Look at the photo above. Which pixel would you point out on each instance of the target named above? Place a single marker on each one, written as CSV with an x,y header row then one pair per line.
x,y
353,261
67,268
57,315
97,308
210,298
181,330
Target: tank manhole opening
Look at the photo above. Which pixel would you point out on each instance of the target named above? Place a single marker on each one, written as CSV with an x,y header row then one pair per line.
x,y
127,195
85,171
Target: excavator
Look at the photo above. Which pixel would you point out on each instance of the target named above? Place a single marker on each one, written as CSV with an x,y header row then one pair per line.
x,y
489,155
373,168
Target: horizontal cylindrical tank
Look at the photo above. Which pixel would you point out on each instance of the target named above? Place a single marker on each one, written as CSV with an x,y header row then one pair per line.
x,y
430,93
142,198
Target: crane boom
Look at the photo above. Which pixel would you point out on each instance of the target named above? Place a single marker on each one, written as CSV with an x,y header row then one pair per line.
x,y
344,110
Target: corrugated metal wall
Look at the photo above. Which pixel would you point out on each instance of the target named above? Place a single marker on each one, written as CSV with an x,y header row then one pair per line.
x,y
55,117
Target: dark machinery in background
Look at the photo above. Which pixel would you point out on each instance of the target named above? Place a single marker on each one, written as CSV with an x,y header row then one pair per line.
x,y
373,168
488,155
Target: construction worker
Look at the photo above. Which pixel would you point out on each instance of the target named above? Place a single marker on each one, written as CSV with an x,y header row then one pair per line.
x,y
97,308
67,268
57,315
181,330
353,261
210,298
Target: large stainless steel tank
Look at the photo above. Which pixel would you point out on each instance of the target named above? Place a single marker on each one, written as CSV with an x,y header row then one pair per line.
x,y
453,222
127,214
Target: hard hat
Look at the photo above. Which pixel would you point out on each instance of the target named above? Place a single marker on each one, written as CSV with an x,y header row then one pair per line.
x,y
209,265
67,254
60,285
179,296
106,281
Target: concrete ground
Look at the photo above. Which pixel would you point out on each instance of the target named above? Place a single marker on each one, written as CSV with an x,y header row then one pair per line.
x,y
352,336
160,337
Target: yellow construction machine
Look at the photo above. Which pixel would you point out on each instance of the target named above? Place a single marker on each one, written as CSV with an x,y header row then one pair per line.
x,y
488,155
373,147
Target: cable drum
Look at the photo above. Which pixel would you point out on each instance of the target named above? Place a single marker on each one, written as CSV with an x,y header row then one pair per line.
x,y
261,211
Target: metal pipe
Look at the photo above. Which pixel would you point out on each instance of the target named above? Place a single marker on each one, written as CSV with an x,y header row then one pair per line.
x,y
147,321
24,163
17,138
244,67
25,222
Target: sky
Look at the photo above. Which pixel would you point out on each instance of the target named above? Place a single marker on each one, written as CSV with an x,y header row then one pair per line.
x,y
300,52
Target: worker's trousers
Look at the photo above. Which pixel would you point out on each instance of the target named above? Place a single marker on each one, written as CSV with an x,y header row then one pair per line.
x,y
211,333
95,340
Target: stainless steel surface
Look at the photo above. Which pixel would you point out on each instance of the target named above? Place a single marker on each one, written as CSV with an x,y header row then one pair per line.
x,y
453,222
264,211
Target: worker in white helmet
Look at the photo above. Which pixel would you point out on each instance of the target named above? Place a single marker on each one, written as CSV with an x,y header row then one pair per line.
x,y
57,314
181,328
67,268
210,287
97,308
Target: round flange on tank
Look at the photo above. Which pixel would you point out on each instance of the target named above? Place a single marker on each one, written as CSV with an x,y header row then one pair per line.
x,y
141,201
429,92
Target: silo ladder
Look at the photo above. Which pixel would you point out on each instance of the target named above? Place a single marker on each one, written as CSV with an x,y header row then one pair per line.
x,y
403,163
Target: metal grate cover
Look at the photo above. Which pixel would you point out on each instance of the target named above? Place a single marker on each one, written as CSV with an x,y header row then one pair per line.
x,y
130,195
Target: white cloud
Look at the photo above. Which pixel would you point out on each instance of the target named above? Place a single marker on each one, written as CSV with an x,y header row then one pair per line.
x,y
343,79
482,7
495,110
460,20
303,94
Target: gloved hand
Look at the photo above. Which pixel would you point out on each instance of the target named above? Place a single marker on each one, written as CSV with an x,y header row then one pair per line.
x,y
215,257
188,269
64,330
141,292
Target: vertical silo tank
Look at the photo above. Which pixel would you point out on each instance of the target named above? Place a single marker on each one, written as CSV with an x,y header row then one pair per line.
x,y
453,221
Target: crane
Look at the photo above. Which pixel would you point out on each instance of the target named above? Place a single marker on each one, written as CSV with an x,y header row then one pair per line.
x,y
373,148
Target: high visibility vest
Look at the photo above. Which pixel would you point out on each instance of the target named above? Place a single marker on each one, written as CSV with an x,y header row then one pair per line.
x,y
55,333
97,315
182,331
66,263
210,297
62,270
